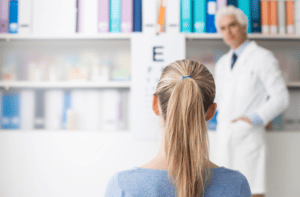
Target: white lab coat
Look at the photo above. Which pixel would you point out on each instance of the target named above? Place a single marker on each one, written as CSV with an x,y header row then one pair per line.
x,y
242,91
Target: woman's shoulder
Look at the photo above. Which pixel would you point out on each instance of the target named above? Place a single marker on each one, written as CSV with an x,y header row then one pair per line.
x,y
219,174
114,186
136,172
137,181
136,175
231,181
125,174
227,175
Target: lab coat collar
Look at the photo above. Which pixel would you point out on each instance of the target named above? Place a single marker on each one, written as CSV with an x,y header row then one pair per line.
x,y
238,51
250,48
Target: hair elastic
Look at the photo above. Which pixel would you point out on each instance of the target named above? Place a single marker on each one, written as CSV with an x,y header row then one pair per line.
x,y
186,77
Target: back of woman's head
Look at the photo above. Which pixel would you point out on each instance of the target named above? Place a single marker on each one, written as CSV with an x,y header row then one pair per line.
x,y
185,92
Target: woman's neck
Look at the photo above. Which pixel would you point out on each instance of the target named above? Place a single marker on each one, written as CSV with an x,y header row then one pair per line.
x,y
159,162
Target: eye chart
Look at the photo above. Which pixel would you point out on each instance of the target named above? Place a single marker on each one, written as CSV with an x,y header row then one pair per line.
x,y
150,54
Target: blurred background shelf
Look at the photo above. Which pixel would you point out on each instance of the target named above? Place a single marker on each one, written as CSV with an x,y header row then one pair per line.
x,y
293,84
250,36
77,84
104,132
107,132
102,36
127,36
86,84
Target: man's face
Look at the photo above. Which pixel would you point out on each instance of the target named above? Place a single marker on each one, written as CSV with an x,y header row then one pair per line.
x,y
233,33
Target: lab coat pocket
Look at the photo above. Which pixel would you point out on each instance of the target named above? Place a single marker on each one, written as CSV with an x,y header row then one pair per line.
x,y
243,132
244,125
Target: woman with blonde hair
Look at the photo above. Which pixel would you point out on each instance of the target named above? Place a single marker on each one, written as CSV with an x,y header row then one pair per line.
x,y
184,101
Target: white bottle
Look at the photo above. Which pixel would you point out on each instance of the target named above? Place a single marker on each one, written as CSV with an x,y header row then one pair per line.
x,y
111,110
52,73
105,71
71,120
95,73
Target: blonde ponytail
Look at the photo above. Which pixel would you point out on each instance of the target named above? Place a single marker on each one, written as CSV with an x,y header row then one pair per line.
x,y
184,103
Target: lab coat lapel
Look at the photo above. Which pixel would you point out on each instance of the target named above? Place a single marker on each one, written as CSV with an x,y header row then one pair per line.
x,y
227,65
230,82
228,85
242,60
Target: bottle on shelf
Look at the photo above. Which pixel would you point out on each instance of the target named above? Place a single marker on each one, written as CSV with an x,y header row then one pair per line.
x,y
9,70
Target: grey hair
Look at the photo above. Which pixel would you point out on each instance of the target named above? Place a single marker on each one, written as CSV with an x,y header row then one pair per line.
x,y
233,11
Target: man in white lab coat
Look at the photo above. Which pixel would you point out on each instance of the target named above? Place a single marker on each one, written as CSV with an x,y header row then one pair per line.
x,y
250,92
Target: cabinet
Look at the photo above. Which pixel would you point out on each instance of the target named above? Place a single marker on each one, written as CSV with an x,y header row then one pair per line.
x,y
59,50
61,71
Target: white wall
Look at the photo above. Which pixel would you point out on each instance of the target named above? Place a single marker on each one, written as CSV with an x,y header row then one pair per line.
x,y
66,163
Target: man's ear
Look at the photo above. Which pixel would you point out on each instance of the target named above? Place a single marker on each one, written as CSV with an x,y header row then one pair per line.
x,y
211,111
155,105
245,28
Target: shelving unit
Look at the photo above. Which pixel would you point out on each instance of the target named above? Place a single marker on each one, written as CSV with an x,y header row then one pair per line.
x,y
115,39
115,36
85,99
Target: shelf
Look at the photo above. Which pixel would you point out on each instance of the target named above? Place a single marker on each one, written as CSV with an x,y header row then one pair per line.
x,y
273,37
293,84
104,36
85,84
204,36
110,132
207,36
214,132
127,36
65,131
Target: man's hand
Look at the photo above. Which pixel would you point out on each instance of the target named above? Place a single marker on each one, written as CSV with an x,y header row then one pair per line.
x,y
246,119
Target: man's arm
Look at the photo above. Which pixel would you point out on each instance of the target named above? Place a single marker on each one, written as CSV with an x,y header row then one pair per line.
x,y
273,82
